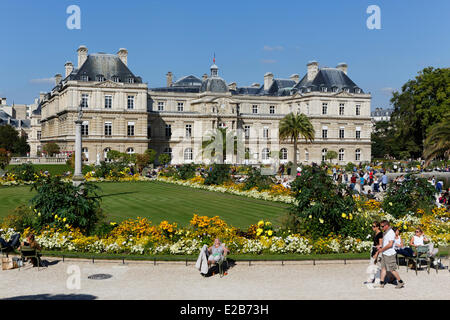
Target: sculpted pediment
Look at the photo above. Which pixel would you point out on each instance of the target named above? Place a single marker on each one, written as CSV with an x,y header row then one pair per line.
x,y
109,84
343,94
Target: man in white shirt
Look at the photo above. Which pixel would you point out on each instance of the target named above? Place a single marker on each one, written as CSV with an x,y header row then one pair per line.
x,y
388,255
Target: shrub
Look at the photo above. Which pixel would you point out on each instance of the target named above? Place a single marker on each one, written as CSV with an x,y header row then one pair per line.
x,y
4,158
186,172
218,174
22,218
24,172
62,204
164,158
256,179
51,148
409,196
320,203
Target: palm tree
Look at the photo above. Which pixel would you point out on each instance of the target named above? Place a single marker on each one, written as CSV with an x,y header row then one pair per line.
x,y
437,143
296,126
220,152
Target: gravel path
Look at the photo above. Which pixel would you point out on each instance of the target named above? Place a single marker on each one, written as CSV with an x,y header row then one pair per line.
x,y
260,281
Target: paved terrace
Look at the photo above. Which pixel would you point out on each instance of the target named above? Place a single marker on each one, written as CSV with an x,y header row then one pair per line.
x,y
294,280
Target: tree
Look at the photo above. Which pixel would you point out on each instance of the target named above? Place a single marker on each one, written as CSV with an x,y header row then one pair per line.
x,y
331,155
4,158
420,105
142,160
437,143
152,155
13,142
164,158
295,126
51,148
221,152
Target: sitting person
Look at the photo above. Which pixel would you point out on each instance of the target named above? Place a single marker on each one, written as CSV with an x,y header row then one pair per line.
x,y
400,247
11,244
33,244
216,252
419,239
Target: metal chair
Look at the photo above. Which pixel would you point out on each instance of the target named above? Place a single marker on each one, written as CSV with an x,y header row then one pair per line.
x,y
422,253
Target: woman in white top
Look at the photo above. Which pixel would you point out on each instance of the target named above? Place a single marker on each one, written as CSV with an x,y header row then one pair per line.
x,y
399,246
419,239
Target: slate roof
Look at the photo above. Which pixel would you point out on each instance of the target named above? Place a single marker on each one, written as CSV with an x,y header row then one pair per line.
x,y
214,84
331,78
106,65
188,81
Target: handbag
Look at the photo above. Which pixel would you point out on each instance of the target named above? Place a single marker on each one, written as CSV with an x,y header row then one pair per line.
x,y
10,263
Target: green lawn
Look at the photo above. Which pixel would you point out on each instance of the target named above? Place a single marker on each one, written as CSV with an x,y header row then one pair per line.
x,y
160,201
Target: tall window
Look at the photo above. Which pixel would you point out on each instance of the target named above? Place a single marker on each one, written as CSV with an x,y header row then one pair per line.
x,y
85,128
247,132
130,104
272,109
265,154
108,102
358,109
341,154
168,130
149,131
341,109
358,133
160,106
130,129
324,154
324,132
266,133
188,156
84,100
180,106
283,154
85,153
341,133
255,109
307,108
108,129
358,155
105,154
188,130
324,108
306,155
39,135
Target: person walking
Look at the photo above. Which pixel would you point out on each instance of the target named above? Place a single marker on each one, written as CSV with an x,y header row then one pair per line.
x,y
388,256
374,274
384,181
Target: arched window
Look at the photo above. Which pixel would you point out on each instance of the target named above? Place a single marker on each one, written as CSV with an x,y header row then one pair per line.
x,y
358,154
188,156
105,154
341,154
283,154
265,154
324,154
130,151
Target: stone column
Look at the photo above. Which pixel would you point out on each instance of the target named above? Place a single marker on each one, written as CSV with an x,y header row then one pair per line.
x,y
78,177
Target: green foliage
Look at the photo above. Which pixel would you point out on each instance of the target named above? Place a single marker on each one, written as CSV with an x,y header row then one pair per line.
x,y
76,206
110,169
151,154
437,143
51,148
21,218
185,172
4,158
256,179
164,158
24,172
218,174
413,193
331,155
349,167
320,203
12,142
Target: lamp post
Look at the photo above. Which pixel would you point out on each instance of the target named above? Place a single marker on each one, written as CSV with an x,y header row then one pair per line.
x,y
78,177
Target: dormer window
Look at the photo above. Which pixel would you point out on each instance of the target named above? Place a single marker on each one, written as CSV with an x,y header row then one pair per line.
x,y
84,78
347,90
115,79
130,80
308,89
100,78
335,89
357,90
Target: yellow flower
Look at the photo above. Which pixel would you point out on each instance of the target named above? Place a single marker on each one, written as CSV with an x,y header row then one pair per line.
x,y
390,203
259,231
404,227
321,220
261,223
310,216
56,216
344,215
67,226
268,224
350,216
65,219
270,233
39,214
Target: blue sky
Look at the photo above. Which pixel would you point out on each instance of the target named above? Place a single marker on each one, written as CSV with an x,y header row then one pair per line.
x,y
248,37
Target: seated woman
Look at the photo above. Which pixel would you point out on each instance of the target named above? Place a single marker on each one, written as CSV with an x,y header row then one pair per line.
x,y
400,247
33,244
216,252
419,239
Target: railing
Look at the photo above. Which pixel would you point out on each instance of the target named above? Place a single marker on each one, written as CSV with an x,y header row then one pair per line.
x,y
38,160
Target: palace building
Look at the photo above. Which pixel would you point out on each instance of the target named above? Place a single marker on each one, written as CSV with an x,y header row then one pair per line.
x,y
122,113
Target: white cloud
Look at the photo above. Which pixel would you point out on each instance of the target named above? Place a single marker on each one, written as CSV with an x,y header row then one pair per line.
x,y
274,48
43,80
388,90
268,61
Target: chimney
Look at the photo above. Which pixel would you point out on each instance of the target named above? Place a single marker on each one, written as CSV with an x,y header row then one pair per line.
x,y
268,79
313,69
41,96
69,68
58,78
205,76
169,78
232,86
295,77
343,67
123,55
255,85
82,55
